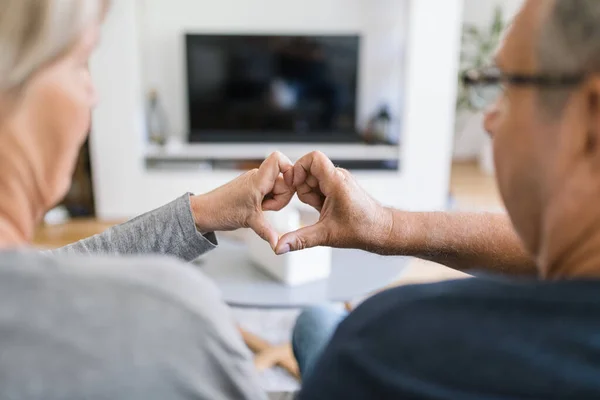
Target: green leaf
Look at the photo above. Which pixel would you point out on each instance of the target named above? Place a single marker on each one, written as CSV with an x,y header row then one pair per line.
x,y
498,22
472,34
471,30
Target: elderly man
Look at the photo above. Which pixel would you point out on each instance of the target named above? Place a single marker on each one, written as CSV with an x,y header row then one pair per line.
x,y
486,338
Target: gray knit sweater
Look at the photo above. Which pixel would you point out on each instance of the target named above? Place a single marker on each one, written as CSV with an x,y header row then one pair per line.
x,y
111,317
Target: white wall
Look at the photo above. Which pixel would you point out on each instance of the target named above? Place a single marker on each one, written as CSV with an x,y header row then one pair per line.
x,y
381,23
480,12
470,137
125,188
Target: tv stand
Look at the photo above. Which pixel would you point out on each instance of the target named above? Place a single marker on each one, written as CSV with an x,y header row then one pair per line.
x,y
211,152
276,137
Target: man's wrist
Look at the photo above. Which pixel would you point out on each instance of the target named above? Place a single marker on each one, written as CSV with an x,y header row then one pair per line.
x,y
399,231
375,237
387,228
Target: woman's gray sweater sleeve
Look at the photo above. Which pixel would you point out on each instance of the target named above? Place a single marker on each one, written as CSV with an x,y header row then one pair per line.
x,y
169,230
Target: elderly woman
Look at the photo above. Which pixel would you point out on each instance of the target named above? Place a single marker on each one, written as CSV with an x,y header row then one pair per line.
x,y
85,321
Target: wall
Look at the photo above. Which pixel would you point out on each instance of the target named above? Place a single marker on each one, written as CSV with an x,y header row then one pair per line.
x,y
381,23
123,186
480,12
470,137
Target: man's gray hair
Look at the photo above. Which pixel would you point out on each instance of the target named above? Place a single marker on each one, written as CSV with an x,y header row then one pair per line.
x,y
569,43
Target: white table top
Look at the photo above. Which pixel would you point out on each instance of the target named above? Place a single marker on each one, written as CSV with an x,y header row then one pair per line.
x,y
354,274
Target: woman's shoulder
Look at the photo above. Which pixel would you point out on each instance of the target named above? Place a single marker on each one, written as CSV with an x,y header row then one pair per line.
x,y
123,312
158,278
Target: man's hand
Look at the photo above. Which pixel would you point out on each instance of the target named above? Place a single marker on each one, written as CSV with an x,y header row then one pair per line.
x,y
241,202
349,218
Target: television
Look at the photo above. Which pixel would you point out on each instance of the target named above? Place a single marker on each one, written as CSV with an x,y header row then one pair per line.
x,y
265,88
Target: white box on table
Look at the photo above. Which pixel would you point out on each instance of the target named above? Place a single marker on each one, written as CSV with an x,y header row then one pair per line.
x,y
294,268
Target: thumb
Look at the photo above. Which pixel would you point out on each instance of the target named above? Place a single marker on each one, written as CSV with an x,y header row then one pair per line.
x,y
263,229
304,238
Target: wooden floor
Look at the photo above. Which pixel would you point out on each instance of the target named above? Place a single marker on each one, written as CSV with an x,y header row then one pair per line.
x,y
473,188
54,236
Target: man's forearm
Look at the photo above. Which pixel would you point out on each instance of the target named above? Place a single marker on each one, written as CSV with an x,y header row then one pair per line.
x,y
463,241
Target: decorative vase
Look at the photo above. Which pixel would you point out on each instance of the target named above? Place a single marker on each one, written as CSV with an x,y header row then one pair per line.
x,y
158,125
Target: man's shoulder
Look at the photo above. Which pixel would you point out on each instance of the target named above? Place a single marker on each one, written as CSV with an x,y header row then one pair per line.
x,y
395,335
439,333
423,306
430,293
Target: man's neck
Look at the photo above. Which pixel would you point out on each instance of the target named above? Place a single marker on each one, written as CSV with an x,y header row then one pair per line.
x,y
582,262
571,240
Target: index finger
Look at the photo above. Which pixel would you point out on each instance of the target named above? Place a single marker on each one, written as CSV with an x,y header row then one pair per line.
x,y
275,164
318,165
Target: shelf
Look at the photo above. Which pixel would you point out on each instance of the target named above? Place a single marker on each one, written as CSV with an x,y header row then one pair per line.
x,y
245,151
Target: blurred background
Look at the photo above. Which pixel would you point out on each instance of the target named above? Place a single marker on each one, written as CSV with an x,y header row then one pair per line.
x,y
193,92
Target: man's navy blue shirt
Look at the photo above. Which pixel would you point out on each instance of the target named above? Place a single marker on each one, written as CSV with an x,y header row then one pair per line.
x,y
480,338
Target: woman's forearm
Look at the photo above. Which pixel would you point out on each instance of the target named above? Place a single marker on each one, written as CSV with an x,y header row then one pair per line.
x,y
169,230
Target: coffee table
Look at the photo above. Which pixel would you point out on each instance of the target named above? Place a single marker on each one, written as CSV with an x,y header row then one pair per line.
x,y
355,274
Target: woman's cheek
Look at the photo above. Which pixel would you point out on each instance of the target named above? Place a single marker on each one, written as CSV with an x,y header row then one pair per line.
x,y
72,110
65,118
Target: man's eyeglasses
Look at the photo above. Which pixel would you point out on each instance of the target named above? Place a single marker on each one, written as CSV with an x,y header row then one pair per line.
x,y
486,85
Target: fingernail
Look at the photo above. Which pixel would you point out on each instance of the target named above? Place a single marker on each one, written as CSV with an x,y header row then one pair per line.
x,y
283,250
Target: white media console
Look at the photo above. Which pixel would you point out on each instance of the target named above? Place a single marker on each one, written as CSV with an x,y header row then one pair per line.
x,y
255,151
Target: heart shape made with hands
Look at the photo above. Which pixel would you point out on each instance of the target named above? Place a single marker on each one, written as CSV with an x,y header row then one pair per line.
x,y
348,216
242,203
312,178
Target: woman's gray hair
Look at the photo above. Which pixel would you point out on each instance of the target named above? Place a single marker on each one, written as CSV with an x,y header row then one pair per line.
x,y
569,43
34,32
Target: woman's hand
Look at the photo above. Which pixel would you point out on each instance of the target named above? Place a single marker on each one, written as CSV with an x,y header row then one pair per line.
x,y
241,202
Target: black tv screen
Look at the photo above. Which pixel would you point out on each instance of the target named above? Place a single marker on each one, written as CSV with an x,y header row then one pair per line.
x,y
272,88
